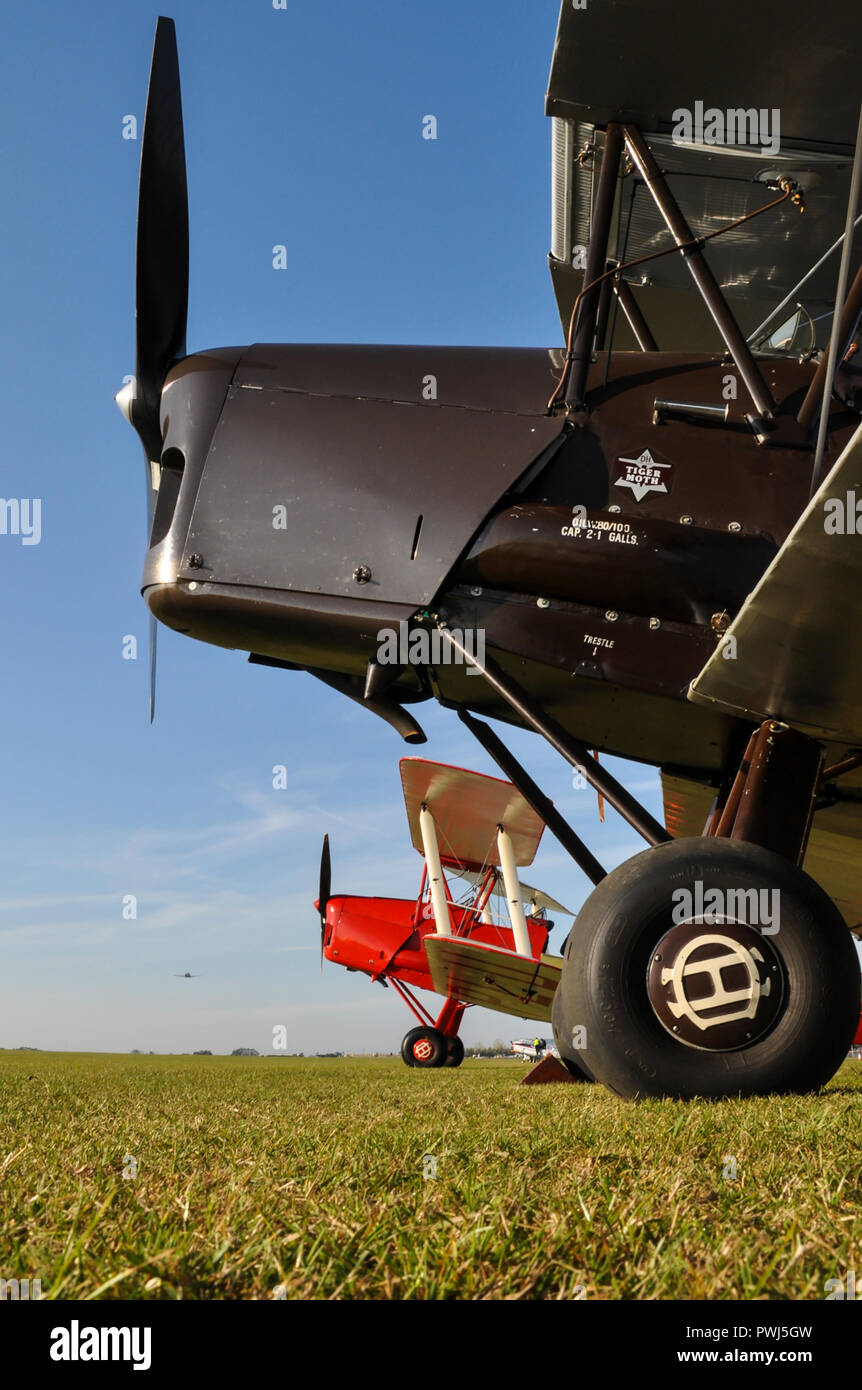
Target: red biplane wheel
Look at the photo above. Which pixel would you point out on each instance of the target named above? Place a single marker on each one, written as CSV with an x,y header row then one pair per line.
x,y
425,1047
709,967
455,1055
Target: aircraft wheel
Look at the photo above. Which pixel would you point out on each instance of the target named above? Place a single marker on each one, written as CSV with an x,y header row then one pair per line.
x,y
571,1060
455,1052
424,1047
670,987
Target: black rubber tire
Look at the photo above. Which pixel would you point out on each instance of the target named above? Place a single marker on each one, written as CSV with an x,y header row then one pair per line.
x,y
455,1052
438,1047
603,987
571,1060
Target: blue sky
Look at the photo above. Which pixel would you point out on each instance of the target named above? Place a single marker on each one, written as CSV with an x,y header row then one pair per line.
x,y
303,128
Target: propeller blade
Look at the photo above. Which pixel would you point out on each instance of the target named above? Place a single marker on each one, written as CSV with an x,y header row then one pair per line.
x,y
153,637
162,268
325,876
325,890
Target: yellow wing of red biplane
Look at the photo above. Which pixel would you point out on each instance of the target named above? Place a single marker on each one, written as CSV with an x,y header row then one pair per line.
x,y
468,807
493,978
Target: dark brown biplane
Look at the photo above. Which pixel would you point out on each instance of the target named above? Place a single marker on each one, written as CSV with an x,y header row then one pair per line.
x,y
643,542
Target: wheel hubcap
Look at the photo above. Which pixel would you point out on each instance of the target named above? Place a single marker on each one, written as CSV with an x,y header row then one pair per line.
x,y
715,985
422,1050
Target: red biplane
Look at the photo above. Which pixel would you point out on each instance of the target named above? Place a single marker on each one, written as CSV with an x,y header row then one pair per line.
x,y
476,945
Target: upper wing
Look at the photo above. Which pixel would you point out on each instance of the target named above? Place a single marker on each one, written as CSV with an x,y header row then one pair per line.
x,y
798,640
492,977
617,62
467,808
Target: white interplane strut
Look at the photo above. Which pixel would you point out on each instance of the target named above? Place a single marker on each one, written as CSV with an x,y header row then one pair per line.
x,y
436,883
513,892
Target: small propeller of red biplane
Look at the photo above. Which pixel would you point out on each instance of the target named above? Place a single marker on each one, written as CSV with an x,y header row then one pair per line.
x,y
467,934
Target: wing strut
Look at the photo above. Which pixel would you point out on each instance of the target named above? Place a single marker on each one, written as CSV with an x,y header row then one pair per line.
x,y
513,893
580,352
703,277
436,882
533,794
844,318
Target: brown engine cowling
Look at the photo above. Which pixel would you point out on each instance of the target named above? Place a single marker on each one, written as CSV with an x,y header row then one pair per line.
x,y
646,566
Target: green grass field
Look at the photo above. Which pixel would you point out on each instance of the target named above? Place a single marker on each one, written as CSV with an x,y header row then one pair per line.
x,y
255,1173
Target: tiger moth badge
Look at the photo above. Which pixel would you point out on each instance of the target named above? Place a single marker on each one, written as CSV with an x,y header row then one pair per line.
x,y
643,475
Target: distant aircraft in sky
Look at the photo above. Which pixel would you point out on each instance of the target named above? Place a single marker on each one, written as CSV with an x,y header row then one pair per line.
x,y
187,976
